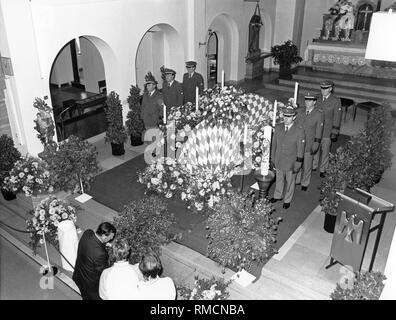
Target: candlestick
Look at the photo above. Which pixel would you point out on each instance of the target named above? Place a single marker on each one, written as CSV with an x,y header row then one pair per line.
x,y
222,79
245,135
295,92
196,98
274,119
164,112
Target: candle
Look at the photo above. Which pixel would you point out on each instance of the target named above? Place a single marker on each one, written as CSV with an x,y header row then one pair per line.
x,y
245,135
222,79
295,92
164,112
274,119
196,98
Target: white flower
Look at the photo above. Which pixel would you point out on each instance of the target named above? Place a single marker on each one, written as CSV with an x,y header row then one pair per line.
x,y
202,192
42,218
172,187
21,175
164,185
179,180
64,215
159,176
187,127
56,223
168,194
183,196
216,185
182,134
154,181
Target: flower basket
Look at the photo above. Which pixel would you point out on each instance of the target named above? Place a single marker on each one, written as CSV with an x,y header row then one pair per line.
x,y
30,175
31,202
46,217
204,289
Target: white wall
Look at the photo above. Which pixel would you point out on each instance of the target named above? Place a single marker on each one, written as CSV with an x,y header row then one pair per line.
x,y
62,71
92,64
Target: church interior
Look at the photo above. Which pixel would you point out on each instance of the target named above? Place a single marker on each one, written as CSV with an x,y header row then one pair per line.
x,y
73,53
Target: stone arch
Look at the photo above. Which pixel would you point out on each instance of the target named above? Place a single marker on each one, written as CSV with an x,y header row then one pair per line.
x,y
160,45
228,45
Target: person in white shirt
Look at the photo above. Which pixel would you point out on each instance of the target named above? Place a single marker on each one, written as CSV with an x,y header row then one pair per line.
x,y
153,287
119,282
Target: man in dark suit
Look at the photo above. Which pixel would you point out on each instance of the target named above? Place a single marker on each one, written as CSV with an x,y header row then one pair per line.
x,y
92,259
331,107
287,152
191,79
172,90
312,120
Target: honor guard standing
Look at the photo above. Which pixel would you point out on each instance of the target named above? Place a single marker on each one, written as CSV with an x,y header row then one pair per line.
x,y
331,107
152,108
172,90
191,79
287,153
312,120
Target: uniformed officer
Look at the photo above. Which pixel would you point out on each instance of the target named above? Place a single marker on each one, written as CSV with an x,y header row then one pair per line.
x,y
312,120
152,103
172,90
287,153
191,79
331,107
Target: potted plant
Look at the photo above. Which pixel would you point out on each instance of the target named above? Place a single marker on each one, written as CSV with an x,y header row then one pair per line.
x,y
115,133
360,286
145,224
204,289
240,234
8,156
134,123
285,55
73,164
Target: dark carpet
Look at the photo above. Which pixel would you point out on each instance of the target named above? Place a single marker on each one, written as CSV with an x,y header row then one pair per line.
x,y
119,186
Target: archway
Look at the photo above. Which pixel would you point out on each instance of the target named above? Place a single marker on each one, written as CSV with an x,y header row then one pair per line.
x,y
160,45
78,89
212,53
228,45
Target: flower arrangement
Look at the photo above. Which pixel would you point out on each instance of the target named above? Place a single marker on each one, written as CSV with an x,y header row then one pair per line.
x,y
224,106
198,187
362,286
205,289
241,234
73,163
30,175
46,218
145,224
186,117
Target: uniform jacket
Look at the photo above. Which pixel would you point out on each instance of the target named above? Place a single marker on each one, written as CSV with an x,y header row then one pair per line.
x,y
152,109
92,259
287,146
312,124
189,85
173,95
332,113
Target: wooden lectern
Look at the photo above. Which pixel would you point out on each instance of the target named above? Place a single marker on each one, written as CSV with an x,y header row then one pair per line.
x,y
353,226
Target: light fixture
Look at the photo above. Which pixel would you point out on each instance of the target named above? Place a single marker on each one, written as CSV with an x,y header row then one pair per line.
x,y
381,44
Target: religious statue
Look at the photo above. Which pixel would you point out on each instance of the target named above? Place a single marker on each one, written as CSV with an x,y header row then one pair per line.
x,y
345,19
254,33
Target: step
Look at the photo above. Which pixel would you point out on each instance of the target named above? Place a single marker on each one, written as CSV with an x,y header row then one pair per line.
x,y
341,91
350,78
344,83
348,95
296,277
